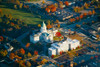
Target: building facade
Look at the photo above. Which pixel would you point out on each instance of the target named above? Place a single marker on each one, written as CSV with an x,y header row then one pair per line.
x,y
66,45
43,35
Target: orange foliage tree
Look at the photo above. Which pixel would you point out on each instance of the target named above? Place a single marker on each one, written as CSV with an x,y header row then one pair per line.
x,y
71,20
77,18
22,51
12,24
1,38
57,21
58,25
27,45
66,3
85,14
47,10
93,12
53,9
35,52
12,56
81,16
90,13
97,36
49,26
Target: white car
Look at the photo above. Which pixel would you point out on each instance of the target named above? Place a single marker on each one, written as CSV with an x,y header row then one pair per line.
x,y
9,47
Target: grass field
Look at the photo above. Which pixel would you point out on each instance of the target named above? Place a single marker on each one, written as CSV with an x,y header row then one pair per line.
x,y
28,18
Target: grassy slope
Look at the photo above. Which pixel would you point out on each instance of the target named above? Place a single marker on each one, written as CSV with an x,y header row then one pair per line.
x,y
27,17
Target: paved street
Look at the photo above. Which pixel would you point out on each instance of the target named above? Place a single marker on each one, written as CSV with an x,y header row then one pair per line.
x,y
72,26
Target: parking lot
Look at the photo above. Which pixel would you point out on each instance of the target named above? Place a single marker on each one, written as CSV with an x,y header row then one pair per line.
x,y
66,58
64,14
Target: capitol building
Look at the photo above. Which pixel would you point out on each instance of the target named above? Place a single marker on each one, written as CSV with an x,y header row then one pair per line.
x,y
43,35
56,47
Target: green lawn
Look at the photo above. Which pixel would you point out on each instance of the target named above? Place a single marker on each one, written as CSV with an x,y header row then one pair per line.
x,y
28,18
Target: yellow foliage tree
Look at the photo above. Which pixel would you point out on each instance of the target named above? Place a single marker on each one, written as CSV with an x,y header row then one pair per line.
x,y
39,25
20,5
29,54
58,25
15,6
43,1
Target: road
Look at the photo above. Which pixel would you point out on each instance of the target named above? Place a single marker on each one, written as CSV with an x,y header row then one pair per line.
x,y
19,39
72,26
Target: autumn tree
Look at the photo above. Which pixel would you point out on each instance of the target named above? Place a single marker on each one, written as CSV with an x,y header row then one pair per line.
x,y
17,2
15,6
29,54
97,36
44,61
81,16
10,16
1,39
49,26
25,6
35,52
61,4
52,56
20,5
1,13
90,13
53,9
12,24
66,3
78,25
71,20
61,65
97,49
22,51
27,45
39,25
48,21
21,63
85,14
77,18
47,10
56,5
77,54
75,64
58,34
52,24
12,56
58,65
60,52
58,25
93,12
86,5
57,21
12,1
28,64
43,1
91,57
3,53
